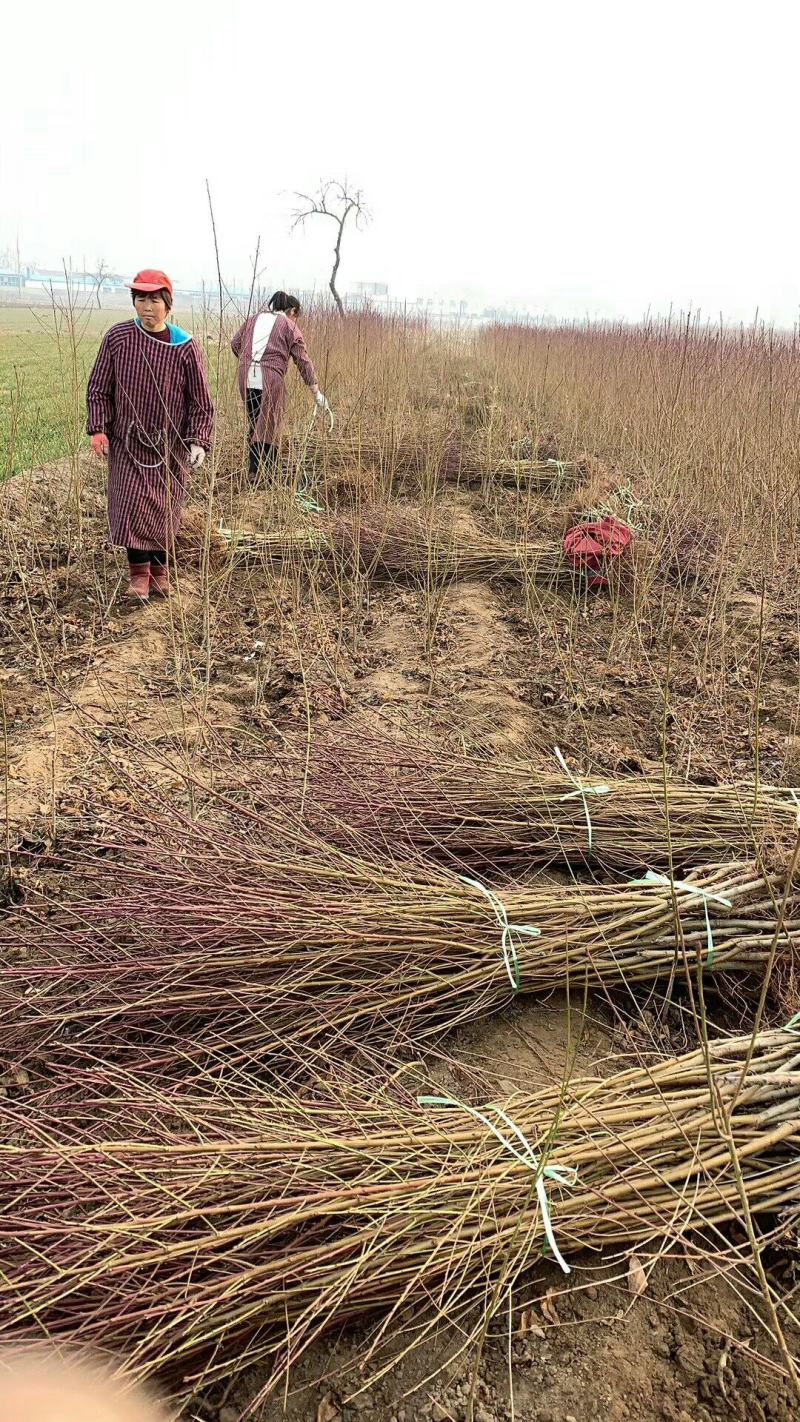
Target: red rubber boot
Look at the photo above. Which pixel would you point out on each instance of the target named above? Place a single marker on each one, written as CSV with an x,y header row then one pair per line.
x,y
159,580
138,588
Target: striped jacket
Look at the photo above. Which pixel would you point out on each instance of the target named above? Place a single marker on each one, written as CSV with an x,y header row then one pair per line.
x,y
151,399
285,343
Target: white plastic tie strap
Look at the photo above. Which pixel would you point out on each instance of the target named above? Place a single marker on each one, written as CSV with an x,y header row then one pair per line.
x,y
582,789
510,957
524,1153
682,886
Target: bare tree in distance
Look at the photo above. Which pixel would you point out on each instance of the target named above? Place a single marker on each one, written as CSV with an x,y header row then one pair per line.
x,y
101,271
338,201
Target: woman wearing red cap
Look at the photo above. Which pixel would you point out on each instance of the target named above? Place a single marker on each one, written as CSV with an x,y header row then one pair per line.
x,y
150,414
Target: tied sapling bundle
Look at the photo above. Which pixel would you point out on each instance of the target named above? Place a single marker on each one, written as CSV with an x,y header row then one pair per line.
x,y
401,544
449,458
370,791
277,941
198,1234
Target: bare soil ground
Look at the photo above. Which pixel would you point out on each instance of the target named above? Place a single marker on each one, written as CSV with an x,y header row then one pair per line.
x,y
241,658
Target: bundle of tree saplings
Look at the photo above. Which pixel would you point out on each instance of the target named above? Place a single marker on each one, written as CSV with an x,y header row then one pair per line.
x,y
274,545
272,940
402,544
371,790
473,461
394,456
387,453
199,1234
399,543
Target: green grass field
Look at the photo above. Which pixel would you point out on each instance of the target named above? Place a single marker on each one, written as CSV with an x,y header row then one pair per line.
x,y
46,354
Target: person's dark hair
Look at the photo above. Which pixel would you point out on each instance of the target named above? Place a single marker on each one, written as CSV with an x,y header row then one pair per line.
x,y
282,301
163,293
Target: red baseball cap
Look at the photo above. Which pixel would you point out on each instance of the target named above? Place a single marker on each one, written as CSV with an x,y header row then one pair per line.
x,y
150,281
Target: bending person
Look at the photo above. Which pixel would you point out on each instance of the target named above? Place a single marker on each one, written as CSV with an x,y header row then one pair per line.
x,y
150,414
264,345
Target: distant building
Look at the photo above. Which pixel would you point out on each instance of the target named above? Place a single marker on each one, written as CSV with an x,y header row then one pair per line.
x,y
39,277
86,281
368,289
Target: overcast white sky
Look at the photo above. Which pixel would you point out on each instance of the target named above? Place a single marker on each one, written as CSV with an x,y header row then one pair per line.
x,y
573,156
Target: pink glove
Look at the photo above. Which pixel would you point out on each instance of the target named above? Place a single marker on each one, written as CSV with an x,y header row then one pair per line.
x,y
100,445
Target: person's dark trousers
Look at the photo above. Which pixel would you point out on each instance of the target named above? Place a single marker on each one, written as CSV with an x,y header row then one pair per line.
x,y
262,457
262,454
147,555
253,408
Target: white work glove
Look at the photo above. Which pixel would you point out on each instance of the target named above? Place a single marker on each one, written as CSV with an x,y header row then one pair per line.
x,y
322,404
196,456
